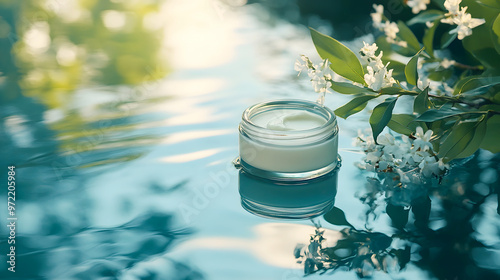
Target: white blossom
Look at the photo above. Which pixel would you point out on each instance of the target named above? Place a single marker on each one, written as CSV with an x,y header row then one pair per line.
x,y
377,16
445,63
377,76
458,16
391,29
418,5
465,23
377,80
300,64
453,6
321,75
413,159
422,140
429,24
368,51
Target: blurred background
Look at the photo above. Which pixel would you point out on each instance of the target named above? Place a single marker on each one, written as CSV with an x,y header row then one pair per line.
x,y
121,118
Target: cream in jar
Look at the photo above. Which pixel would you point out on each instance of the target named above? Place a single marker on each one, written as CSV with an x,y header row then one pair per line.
x,y
288,140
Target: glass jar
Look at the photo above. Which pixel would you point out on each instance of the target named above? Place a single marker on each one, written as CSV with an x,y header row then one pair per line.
x,y
270,149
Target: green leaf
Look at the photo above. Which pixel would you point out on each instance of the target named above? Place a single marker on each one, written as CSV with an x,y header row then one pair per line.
x,y
381,116
348,88
336,217
391,90
428,39
490,140
459,139
354,106
495,4
421,103
496,32
402,123
476,140
407,35
473,82
440,74
447,39
437,114
411,69
429,15
344,61
481,43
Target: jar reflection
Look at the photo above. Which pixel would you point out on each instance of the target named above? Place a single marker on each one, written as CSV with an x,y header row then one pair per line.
x,y
288,200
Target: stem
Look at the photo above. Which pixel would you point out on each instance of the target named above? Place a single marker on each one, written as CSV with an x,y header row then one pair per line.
x,y
464,66
447,98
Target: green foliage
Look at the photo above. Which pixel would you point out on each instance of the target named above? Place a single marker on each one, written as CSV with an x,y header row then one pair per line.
x,y
490,141
421,103
407,35
428,39
403,123
381,116
464,139
354,106
411,69
464,113
344,61
496,33
429,15
347,88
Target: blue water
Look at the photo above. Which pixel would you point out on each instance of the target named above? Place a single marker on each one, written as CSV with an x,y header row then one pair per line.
x,y
132,179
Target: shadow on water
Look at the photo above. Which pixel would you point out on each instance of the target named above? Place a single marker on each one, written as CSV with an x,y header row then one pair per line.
x,y
73,78
450,229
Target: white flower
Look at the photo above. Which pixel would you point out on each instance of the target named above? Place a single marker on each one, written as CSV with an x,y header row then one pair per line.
x,y
300,64
422,141
376,61
429,24
458,16
321,75
365,141
465,23
391,29
377,16
385,139
374,79
453,6
429,166
403,176
373,157
445,63
377,79
368,51
418,5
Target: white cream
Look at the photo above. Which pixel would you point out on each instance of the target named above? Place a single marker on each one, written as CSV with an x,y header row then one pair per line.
x,y
293,139
287,120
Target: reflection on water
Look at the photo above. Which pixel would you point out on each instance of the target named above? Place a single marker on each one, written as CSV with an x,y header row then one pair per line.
x,y
289,200
450,230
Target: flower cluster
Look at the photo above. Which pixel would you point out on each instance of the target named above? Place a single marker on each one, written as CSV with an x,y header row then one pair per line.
x,y
413,158
378,75
458,16
390,29
321,75
418,5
